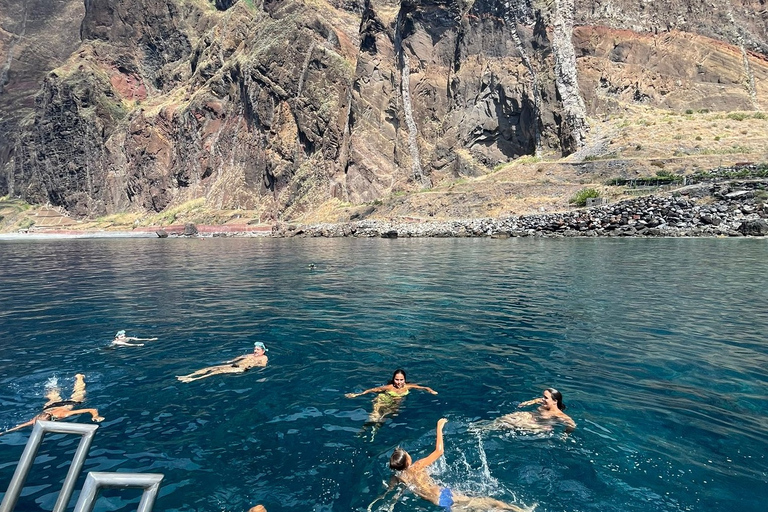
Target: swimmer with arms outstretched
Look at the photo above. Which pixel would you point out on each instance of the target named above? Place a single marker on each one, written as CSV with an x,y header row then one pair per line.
x,y
124,341
239,364
390,394
57,409
547,415
415,476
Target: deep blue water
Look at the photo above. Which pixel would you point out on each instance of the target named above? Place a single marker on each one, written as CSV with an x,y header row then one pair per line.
x,y
659,347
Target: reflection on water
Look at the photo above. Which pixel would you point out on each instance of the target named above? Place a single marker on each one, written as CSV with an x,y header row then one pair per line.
x,y
657,345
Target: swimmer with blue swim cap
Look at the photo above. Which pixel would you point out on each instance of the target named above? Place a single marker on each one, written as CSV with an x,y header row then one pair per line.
x,y
239,364
415,476
122,340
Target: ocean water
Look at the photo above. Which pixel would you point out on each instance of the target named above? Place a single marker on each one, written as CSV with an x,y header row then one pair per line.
x,y
660,348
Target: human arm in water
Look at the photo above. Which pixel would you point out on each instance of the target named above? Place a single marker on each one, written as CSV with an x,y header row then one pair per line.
x,y
93,412
393,484
237,359
425,388
21,426
123,343
438,451
531,402
379,389
570,425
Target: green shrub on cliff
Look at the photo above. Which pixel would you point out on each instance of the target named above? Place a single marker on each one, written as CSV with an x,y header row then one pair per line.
x,y
26,223
580,199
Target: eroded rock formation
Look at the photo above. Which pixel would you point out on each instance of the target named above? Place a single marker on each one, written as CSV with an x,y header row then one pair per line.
x,y
279,106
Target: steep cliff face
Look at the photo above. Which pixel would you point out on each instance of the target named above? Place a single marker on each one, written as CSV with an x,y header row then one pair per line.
x,y
36,36
278,106
739,22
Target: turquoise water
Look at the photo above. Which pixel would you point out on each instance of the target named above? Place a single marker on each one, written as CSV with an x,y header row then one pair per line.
x,y
658,346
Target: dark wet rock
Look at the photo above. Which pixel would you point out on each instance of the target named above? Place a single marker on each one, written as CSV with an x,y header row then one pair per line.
x,y
758,227
190,229
162,233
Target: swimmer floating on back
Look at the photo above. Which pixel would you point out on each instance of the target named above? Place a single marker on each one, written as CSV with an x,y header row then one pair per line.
x,y
123,341
547,415
388,400
415,476
239,364
57,409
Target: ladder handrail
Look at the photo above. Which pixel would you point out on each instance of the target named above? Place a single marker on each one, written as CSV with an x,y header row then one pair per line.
x,y
28,457
95,480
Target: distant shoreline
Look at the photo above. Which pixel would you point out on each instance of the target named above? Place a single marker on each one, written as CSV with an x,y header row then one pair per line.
x,y
733,209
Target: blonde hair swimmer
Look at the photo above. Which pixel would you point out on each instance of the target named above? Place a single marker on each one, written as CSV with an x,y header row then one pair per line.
x,y
123,341
57,408
415,476
239,364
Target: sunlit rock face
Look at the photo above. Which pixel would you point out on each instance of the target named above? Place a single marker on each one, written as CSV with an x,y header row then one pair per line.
x,y
279,106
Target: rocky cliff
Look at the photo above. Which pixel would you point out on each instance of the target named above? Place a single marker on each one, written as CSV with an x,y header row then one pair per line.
x,y
282,106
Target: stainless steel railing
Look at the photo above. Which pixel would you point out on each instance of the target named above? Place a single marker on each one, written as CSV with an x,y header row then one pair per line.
x,y
150,482
95,480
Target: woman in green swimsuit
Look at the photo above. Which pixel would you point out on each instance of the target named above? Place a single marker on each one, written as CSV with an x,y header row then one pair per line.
x,y
388,400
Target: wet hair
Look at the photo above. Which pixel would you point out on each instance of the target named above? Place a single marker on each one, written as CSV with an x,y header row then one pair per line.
x,y
557,396
399,370
399,459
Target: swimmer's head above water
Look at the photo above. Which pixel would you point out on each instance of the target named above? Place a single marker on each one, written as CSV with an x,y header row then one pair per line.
x,y
556,397
259,346
400,460
398,378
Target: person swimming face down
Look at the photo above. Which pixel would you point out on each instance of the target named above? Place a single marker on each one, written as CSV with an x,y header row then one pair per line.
x,y
400,460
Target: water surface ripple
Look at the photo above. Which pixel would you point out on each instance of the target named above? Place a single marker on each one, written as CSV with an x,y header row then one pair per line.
x,y
657,345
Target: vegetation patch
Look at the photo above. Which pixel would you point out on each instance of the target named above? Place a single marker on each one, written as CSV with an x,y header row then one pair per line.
x,y
580,198
609,156
528,159
745,172
171,215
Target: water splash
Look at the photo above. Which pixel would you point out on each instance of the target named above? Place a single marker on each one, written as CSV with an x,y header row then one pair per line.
x,y
52,383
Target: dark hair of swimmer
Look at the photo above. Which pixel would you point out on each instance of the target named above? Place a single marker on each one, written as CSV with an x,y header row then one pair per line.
x,y
399,370
557,396
399,459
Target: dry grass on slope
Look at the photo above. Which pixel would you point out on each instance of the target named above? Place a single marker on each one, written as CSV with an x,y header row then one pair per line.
x,y
641,142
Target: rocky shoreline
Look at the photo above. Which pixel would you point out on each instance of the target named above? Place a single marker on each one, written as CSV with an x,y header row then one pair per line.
x,y
733,208
725,209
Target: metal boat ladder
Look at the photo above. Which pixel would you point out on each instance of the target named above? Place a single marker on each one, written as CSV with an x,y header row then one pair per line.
x,y
95,481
